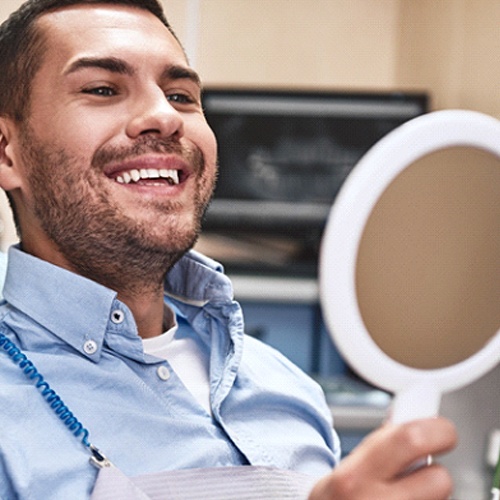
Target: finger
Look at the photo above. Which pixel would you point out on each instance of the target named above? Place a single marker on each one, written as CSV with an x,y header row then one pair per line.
x,y
431,483
422,438
428,483
394,448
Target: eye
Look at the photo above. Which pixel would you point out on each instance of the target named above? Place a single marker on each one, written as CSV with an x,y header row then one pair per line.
x,y
102,91
180,98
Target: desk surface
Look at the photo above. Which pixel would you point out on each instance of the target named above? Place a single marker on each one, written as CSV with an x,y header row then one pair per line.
x,y
353,418
275,289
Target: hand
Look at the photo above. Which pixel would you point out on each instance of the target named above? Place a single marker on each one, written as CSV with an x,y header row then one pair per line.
x,y
375,470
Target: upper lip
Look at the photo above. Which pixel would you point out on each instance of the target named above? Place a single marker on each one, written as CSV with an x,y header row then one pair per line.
x,y
169,162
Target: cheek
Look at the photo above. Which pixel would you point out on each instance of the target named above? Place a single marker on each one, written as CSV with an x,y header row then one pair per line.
x,y
77,133
202,136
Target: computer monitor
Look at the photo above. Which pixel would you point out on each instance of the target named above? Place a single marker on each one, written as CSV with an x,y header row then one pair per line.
x,y
283,156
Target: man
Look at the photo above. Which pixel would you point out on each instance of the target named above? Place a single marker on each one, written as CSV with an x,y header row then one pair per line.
x,y
109,165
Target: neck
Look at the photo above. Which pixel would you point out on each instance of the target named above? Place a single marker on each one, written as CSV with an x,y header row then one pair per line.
x,y
139,287
143,295
151,316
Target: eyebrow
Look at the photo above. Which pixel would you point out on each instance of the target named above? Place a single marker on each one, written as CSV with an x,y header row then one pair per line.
x,y
119,66
175,72
111,64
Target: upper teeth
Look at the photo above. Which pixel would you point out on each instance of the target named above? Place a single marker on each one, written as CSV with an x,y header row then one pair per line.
x,y
148,173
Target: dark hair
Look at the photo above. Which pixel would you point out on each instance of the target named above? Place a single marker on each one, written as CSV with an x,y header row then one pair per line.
x,y
22,48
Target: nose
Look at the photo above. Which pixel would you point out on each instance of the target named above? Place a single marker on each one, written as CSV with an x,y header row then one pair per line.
x,y
153,114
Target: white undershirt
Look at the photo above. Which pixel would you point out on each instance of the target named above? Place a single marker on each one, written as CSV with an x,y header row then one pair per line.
x,y
186,359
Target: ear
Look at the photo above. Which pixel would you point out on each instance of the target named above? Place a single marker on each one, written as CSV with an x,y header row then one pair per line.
x,y
10,177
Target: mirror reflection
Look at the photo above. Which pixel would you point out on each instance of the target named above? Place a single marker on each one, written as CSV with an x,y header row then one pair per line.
x,y
428,265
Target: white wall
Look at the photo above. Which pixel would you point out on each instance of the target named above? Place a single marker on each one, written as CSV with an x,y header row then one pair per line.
x,y
453,48
7,6
294,43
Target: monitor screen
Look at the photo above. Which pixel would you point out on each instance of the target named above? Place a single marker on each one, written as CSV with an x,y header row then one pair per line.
x,y
282,159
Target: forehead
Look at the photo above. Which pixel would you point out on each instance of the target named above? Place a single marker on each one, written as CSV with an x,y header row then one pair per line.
x,y
103,30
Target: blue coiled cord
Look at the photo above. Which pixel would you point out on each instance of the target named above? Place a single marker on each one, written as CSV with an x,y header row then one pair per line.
x,y
54,401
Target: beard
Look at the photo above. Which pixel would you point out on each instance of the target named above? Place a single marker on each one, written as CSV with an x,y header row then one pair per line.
x,y
97,238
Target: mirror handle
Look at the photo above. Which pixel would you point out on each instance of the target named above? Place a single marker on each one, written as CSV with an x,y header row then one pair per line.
x,y
420,400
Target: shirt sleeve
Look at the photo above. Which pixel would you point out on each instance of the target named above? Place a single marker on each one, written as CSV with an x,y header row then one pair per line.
x,y
291,408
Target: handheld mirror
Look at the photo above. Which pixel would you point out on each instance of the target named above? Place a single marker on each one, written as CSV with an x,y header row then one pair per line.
x,y
410,260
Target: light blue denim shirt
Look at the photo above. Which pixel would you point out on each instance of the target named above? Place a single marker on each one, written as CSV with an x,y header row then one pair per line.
x,y
84,342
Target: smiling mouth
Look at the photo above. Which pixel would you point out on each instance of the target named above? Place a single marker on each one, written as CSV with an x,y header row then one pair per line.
x,y
136,176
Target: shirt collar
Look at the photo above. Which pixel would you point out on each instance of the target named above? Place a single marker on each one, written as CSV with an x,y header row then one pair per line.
x,y
197,280
80,311
74,308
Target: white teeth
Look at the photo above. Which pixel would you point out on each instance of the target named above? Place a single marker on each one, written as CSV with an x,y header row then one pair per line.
x,y
150,173
170,174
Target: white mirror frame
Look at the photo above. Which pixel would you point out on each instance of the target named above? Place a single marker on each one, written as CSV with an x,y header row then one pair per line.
x,y
417,391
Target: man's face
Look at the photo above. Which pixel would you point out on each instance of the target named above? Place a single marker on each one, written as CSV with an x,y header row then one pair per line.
x,y
116,151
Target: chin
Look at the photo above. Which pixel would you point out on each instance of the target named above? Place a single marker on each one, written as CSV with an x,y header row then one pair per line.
x,y
176,239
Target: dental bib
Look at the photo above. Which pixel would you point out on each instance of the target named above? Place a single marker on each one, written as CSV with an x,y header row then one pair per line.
x,y
217,483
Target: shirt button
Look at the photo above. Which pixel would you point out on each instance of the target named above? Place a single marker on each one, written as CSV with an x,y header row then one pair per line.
x,y
90,347
163,372
117,316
